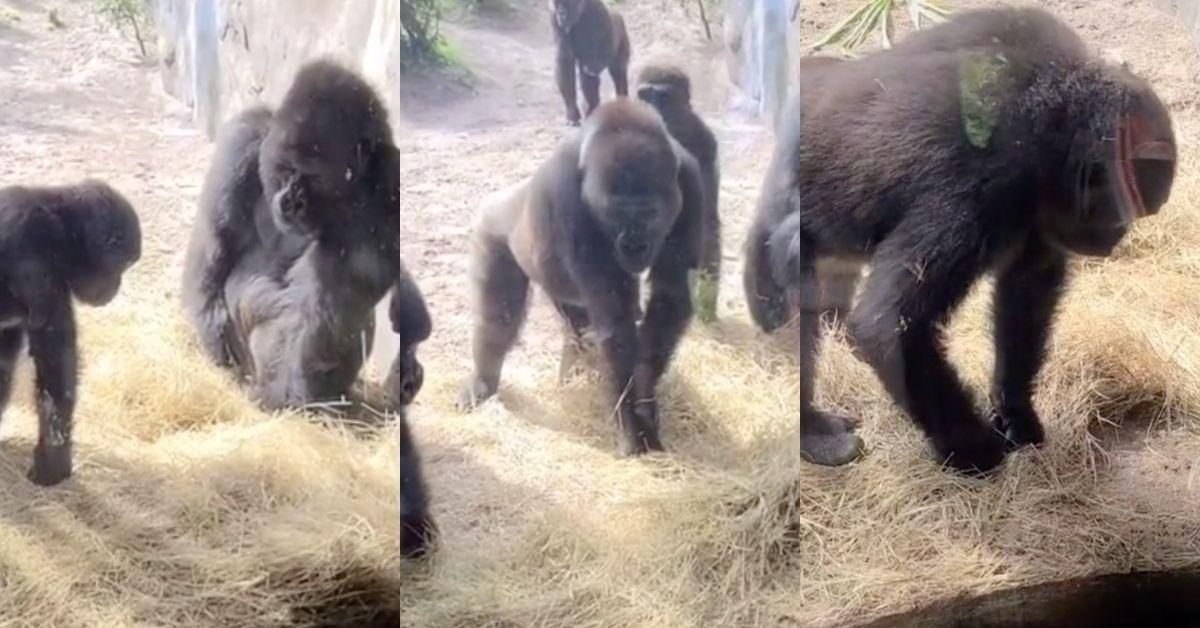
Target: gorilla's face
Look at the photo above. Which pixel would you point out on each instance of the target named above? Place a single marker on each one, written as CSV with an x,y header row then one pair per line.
x,y
304,168
633,202
566,12
112,242
1111,183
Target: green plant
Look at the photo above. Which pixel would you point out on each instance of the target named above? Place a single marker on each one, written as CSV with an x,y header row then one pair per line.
x,y
420,37
877,15
128,13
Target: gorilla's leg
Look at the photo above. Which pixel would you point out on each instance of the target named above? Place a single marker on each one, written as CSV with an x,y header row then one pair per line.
x,y
913,287
501,302
825,438
1025,298
589,84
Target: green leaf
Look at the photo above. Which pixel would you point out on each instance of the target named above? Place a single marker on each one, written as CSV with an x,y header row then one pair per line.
x,y
983,79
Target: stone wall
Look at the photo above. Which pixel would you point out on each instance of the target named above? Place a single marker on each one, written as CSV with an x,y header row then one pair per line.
x,y
218,56
1188,12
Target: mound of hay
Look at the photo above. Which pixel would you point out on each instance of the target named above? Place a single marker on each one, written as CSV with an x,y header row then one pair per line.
x,y
188,507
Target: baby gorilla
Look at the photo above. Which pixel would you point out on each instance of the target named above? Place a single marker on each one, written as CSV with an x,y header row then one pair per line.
x,y
296,239
616,200
588,35
1027,150
669,90
57,243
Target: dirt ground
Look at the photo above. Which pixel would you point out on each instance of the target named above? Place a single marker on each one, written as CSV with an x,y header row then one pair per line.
x,y
544,526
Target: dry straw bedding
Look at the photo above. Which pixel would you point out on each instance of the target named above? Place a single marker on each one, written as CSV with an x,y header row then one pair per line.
x,y
190,508
544,526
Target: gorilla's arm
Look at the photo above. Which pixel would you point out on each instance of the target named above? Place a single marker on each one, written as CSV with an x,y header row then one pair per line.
x,y
608,293
408,311
32,281
53,349
1026,295
670,306
224,230
411,321
783,248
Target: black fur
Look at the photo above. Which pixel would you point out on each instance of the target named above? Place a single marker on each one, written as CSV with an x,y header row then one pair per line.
x,y
886,159
669,90
417,527
613,202
590,38
296,239
57,243
411,321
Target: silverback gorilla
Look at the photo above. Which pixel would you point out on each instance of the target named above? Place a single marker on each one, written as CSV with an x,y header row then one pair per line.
x,y
57,243
297,240
993,142
617,199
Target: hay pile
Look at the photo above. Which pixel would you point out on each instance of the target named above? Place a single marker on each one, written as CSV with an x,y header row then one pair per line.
x,y
188,507
544,526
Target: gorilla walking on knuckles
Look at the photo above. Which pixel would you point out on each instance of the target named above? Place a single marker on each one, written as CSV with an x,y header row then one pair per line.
x,y
592,38
297,240
993,142
617,199
57,243
669,90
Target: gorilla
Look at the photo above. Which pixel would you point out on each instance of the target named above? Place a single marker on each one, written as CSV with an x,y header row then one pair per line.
x,y
57,243
297,239
616,200
669,90
589,36
991,143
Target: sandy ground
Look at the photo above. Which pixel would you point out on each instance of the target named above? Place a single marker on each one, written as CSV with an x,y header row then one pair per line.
x,y
544,526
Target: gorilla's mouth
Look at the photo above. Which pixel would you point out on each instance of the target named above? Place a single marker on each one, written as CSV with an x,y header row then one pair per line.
x,y
290,206
633,266
634,253
1092,241
1136,151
